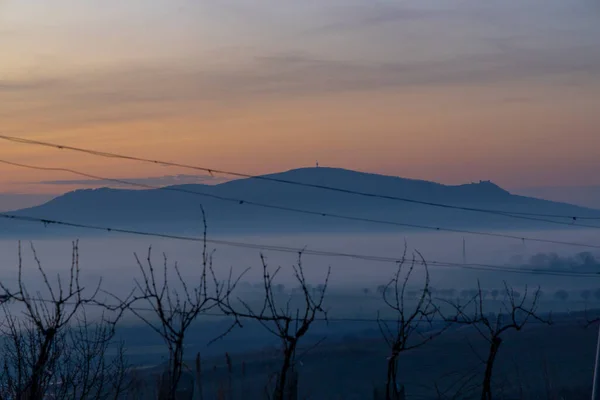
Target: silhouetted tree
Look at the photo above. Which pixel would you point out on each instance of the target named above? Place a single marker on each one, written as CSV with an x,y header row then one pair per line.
x,y
50,349
561,295
174,306
585,295
288,323
407,329
495,294
85,370
280,288
515,314
411,294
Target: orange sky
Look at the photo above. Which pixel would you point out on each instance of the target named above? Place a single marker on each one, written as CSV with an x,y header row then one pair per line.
x,y
508,91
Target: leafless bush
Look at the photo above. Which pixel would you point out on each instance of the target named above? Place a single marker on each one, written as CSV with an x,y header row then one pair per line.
x,y
50,348
289,323
174,306
462,384
86,369
516,311
412,325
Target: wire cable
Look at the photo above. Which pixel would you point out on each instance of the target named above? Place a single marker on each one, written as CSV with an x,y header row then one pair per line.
x,y
211,171
298,210
302,251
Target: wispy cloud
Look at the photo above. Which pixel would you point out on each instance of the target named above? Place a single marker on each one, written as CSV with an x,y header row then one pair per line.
x,y
362,15
265,84
27,84
129,94
301,73
487,49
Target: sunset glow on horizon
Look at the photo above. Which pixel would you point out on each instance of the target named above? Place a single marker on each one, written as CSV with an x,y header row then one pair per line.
x,y
446,91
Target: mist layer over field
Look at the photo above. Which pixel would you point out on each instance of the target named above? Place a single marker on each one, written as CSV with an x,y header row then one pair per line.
x,y
112,259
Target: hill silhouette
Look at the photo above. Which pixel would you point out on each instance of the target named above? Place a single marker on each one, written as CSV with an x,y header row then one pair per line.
x,y
172,211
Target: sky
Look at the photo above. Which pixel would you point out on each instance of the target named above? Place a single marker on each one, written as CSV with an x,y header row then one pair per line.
x,y
446,90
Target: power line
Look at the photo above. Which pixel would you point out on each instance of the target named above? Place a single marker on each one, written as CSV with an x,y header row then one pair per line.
x,y
302,251
298,210
211,171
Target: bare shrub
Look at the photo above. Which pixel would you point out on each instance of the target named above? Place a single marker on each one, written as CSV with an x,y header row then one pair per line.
x,y
516,311
50,347
412,324
173,306
290,324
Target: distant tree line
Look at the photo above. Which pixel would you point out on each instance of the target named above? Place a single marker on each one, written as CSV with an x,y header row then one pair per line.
x,y
580,262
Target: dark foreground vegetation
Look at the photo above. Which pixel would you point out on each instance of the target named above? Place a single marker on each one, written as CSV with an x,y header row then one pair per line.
x,y
61,342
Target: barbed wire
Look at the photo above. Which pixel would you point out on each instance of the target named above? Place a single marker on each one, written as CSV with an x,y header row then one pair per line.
x,y
240,201
301,251
510,214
